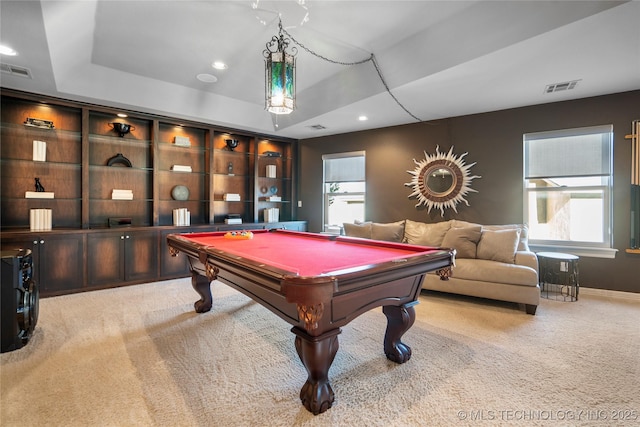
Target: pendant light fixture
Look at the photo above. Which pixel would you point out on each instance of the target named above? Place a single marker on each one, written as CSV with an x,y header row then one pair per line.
x,y
280,74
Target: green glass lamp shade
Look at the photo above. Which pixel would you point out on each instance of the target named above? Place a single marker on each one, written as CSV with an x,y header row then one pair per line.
x,y
280,79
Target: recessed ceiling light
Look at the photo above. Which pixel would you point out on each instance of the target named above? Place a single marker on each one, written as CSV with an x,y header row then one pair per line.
x,y
122,115
6,50
207,78
363,118
219,65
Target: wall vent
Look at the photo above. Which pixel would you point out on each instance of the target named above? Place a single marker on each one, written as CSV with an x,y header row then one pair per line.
x,y
316,127
559,87
15,70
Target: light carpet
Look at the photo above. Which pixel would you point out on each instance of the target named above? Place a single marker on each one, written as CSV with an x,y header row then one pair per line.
x,y
140,356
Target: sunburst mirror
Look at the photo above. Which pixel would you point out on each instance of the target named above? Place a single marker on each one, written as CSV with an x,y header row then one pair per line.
x,y
441,181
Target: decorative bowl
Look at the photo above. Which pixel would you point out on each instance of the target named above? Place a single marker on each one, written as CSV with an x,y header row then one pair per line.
x,y
121,128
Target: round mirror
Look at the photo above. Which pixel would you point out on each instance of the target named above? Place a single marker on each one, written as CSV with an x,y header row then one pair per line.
x,y
441,180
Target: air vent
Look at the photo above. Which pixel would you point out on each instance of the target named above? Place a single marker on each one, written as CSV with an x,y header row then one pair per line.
x,y
559,87
316,127
15,70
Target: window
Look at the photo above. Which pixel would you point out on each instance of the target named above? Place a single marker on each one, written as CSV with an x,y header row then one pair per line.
x,y
568,177
344,189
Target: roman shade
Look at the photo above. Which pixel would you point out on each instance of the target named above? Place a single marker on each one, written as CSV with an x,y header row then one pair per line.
x,y
568,153
344,167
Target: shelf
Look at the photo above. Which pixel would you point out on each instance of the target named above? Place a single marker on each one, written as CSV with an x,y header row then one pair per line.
x,y
40,132
116,140
235,175
119,169
84,140
224,151
178,148
37,163
55,199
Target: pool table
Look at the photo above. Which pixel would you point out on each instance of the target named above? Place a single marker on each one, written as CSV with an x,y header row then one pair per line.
x,y
317,283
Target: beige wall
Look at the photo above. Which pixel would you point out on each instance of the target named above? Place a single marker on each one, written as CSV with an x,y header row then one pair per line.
x,y
494,141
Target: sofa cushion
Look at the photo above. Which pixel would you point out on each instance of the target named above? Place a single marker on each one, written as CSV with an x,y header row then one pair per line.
x,y
482,270
420,233
362,230
523,243
390,232
498,245
463,240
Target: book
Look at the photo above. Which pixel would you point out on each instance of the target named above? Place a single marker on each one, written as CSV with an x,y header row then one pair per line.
x,y
122,194
39,195
271,215
40,219
39,151
182,141
231,197
181,216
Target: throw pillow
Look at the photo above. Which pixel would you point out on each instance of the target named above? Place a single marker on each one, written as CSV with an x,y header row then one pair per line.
x,y
420,233
390,232
463,240
523,244
358,230
498,245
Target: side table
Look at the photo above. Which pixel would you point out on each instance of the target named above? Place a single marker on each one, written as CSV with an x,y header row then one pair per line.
x,y
558,276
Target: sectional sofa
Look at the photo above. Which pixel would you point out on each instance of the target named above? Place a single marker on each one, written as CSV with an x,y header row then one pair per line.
x,y
492,261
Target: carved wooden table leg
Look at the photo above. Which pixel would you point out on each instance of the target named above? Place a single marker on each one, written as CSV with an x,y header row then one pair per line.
x,y
317,354
201,284
399,320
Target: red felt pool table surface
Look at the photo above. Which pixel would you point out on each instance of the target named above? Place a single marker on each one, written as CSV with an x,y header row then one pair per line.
x,y
309,254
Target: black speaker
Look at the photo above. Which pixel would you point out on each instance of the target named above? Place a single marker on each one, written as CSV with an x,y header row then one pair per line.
x,y
19,301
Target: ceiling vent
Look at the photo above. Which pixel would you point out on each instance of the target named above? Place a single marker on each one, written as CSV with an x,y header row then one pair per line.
x,y
559,87
15,70
316,127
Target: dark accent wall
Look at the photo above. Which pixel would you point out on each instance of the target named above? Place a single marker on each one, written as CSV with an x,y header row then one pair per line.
x,y
494,141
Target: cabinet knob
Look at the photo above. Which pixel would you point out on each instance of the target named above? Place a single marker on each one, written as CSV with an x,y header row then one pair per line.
x,y
127,237
121,237
41,242
35,242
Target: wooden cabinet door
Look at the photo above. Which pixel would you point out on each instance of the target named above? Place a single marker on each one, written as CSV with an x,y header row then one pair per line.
x,y
122,256
25,242
105,258
61,263
57,260
141,255
172,266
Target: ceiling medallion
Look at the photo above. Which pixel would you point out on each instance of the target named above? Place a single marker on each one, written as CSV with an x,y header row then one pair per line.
x,y
441,181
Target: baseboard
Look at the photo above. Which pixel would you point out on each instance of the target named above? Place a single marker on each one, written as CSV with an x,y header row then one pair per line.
x,y
610,294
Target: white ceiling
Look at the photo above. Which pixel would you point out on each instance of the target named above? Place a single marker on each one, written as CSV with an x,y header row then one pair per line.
x,y
439,58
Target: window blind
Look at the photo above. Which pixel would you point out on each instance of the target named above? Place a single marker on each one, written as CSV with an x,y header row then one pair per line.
x,y
568,153
344,167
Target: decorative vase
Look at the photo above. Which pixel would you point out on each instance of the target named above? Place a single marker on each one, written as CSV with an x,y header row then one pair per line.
x,y
231,143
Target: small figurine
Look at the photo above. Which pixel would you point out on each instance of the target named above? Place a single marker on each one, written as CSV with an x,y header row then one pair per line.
x,y
39,187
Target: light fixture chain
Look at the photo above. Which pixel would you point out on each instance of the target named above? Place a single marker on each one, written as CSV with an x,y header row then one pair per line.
x,y
375,64
371,58
324,57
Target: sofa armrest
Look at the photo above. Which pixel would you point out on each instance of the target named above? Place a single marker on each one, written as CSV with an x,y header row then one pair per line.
x,y
527,258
